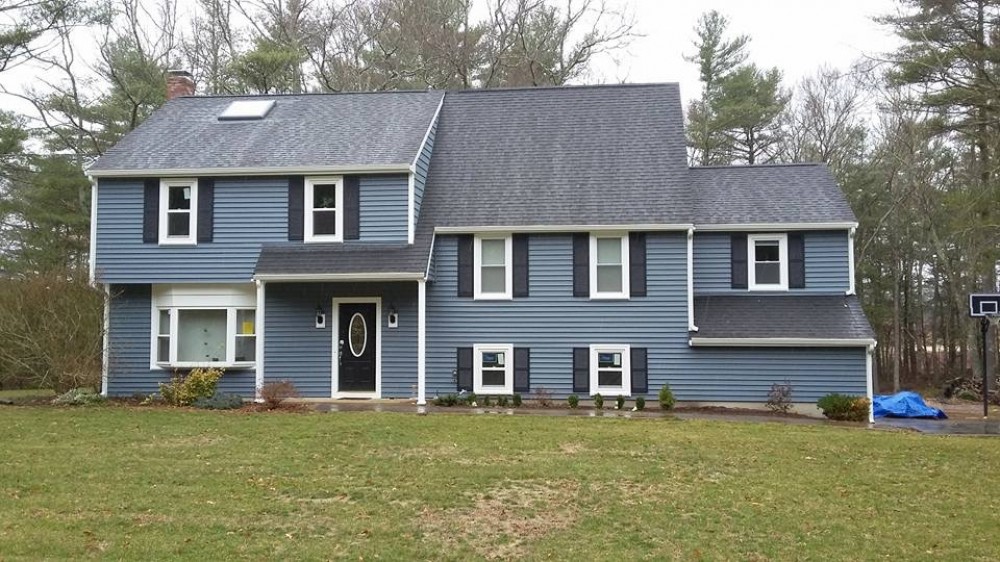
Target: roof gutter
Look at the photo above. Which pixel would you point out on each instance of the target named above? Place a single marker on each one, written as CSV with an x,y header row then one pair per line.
x,y
322,277
252,171
775,226
780,342
564,228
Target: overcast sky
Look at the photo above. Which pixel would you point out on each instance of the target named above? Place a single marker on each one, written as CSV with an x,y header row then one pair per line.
x,y
797,36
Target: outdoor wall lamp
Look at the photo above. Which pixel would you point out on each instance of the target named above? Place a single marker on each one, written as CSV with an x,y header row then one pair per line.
x,y
320,317
393,317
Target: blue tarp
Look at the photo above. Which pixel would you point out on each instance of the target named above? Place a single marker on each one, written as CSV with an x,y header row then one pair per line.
x,y
904,405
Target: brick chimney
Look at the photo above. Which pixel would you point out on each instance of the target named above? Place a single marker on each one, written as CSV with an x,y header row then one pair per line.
x,y
179,83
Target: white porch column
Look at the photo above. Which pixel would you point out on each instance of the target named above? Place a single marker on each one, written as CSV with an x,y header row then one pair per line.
x,y
259,333
850,262
421,342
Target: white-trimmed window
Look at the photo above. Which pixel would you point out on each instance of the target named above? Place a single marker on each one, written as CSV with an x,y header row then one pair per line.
x,y
178,211
493,369
609,266
324,208
610,370
203,326
768,262
492,268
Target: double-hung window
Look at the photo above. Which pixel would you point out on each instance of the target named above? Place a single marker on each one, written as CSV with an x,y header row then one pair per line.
x,y
609,266
493,369
610,370
203,327
324,209
768,260
178,211
492,269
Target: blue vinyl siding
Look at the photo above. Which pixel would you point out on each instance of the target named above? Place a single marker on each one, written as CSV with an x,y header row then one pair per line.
x,y
826,254
551,322
420,174
247,213
384,208
130,346
296,350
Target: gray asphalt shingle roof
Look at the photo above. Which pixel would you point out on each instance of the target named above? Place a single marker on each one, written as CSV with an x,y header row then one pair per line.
x,y
304,131
583,155
295,258
781,316
778,193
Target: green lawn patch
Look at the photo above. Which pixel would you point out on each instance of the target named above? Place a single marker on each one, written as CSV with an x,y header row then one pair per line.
x,y
132,483
27,394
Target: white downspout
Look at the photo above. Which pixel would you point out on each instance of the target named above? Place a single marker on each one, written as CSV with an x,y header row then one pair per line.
x,y
690,279
259,344
870,379
421,342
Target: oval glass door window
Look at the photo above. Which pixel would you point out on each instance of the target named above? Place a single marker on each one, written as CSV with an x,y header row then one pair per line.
x,y
358,334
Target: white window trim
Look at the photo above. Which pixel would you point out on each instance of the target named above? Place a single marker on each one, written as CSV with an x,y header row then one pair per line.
x,y
752,240
594,293
310,183
192,237
626,388
477,268
201,297
477,369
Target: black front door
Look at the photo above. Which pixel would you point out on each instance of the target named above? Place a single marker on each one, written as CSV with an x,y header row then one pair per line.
x,y
356,347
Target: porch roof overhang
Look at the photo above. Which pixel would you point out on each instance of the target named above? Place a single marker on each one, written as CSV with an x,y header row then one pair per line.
x,y
347,261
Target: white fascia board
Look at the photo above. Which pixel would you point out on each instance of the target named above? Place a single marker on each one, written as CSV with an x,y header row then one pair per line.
x,y
690,280
780,342
563,228
427,133
251,171
93,230
307,277
775,226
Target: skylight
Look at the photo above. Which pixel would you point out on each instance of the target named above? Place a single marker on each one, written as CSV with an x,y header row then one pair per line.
x,y
246,110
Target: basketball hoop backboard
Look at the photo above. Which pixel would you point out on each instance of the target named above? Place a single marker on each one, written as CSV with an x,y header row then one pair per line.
x,y
984,304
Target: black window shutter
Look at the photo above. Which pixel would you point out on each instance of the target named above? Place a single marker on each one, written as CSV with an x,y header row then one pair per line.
x,y
520,257
581,264
581,369
637,264
296,207
151,210
352,207
796,261
739,261
522,370
640,371
465,249
464,369
206,209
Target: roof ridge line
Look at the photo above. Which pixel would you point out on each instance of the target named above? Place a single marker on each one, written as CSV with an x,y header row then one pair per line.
x,y
768,165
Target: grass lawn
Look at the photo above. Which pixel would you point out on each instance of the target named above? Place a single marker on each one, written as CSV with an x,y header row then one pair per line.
x,y
115,482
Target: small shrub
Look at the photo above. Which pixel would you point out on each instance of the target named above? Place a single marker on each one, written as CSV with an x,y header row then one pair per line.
x,y
640,403
967,395
446,400
843,407
183,390
78,397
219,401
517,400
667,400
620,402
599,401
779,399
274,394
471,399
487,402
502,401
544,397
573,400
